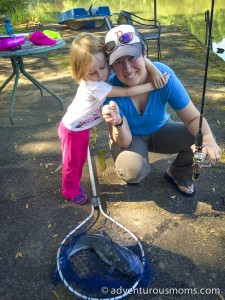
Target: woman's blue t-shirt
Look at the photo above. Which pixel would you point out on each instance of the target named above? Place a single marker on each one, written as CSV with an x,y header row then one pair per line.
x,y
155,115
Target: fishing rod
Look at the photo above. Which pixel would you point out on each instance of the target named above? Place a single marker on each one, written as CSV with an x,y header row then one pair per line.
x,y
199,156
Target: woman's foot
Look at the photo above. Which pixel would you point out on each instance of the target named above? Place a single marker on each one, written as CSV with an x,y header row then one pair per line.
x,y
188,191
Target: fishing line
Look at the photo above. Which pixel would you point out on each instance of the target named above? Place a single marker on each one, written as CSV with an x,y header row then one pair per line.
x,y
199,156
84,273
190,7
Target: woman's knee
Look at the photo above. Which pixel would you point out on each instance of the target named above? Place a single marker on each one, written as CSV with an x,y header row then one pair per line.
x,y
131,167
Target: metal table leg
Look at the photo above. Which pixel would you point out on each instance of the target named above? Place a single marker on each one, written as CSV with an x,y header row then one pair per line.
x,y
7,80
17,64
38,83
20,64
17,74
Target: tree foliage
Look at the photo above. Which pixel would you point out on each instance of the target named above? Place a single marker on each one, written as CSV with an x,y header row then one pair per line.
x,y
8,7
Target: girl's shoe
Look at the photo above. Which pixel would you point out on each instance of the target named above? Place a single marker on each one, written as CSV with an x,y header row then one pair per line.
x,y
79,199
81,189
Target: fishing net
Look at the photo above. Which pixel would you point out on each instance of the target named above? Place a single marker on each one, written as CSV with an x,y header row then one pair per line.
x,y
86,275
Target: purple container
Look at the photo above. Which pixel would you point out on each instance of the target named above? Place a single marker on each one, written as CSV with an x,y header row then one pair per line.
x,y
7,43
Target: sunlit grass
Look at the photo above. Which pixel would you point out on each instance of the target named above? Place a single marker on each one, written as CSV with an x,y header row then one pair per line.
x,y
31,15
93,136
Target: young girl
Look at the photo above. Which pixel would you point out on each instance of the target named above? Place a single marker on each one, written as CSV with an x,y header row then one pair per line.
x,y
90,69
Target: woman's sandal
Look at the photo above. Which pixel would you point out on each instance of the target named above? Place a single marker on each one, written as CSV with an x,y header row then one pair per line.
x,y
190,193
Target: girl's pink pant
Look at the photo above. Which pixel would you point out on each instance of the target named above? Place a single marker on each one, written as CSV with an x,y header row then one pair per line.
x,y
74,154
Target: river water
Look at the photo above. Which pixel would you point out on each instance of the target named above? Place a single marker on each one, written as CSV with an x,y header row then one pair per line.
x,y
189,13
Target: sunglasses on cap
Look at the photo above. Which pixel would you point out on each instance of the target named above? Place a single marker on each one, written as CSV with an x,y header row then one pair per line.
x,y
122,40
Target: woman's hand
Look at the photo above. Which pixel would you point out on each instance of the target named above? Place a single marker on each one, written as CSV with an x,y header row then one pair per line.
x,y
120,134
111,113
190,116
212,151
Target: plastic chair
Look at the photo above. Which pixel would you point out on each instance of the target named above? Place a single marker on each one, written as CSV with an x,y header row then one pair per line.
x,y
142,25
103,11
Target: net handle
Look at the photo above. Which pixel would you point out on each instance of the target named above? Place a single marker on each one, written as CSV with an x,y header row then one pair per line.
x,y
91,174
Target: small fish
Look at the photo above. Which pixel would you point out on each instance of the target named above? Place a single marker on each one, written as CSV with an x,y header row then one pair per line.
x,y
118,257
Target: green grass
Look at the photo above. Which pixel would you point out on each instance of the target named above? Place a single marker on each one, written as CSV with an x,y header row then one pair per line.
x,y
101,160
13,197
93,137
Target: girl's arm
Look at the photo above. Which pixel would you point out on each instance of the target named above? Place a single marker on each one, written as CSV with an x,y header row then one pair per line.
x,y
156,77
118,91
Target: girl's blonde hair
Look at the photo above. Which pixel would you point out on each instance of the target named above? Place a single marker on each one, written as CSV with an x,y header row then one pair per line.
x,y
82,50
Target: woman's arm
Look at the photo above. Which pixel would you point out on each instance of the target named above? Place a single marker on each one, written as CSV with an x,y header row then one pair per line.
x,y
190,116
118,91
118,126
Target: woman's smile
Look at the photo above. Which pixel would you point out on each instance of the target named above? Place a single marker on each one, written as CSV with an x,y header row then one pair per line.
x,y
131,75
130,70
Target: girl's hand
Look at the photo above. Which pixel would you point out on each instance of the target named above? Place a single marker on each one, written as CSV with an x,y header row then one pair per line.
x,y
166,77
111,113
159,80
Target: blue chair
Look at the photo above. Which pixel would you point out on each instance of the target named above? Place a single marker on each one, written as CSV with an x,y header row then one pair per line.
x,y
72,13
103,11
80,13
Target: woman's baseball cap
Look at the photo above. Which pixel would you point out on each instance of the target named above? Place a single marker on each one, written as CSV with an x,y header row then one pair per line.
x,y
131,46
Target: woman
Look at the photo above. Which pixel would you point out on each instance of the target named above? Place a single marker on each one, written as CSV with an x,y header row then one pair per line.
x,y
142,125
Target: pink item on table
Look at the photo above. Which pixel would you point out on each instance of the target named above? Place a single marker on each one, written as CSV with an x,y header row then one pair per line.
x,y
39,38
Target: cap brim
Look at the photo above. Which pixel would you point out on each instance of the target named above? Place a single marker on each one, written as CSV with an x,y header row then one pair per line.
x,y
124,50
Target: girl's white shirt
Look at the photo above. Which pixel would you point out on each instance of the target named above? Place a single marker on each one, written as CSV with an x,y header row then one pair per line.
x,y
86,109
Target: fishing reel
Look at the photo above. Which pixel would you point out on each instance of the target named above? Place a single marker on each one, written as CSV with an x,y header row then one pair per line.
x,y
200,160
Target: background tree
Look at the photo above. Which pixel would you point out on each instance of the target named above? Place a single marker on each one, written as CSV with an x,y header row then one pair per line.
x,y
9,7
